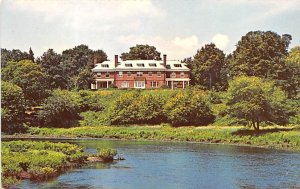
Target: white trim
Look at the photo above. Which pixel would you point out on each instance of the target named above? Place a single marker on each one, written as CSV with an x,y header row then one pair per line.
x,y
178,79
137,86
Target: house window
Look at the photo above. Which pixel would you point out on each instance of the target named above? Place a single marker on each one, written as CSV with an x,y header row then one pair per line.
x,y
139,84
158,74
182,74
107,74
149,74
99,74
128,74
104,65
120,74
154,84
177,65
139,74
173,75
128,65
125,84
140,65
152,65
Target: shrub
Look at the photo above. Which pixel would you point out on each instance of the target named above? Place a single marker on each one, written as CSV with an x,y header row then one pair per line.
x,y
12,108
107,154
188,108
61,109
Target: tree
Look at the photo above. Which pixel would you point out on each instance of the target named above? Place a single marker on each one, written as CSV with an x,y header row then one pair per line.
x,y
76,59
61,109
12,107
29,77
257,100
141,52
31,55
14,55
208,68
188,108
288,74
50,62
83,80
259,54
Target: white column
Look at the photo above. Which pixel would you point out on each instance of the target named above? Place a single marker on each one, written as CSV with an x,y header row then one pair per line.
x,y
188,83
172,84
96,85
106,84
183,84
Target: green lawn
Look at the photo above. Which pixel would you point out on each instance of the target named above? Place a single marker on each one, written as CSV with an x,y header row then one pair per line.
x,y
272,137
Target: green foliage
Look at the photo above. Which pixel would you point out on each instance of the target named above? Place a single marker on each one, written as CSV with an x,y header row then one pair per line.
x,y
256,100
208,68
14,55
259,54
188,108
60,109
133,107
41,160
141,52
107,154
29,77
12,108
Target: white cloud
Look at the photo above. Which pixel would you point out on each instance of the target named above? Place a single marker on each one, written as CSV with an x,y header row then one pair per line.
x,y
186,42
92,15
175,48
221,41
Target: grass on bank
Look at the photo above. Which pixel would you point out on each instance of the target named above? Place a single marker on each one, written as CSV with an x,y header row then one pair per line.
x,y
271,136
41,160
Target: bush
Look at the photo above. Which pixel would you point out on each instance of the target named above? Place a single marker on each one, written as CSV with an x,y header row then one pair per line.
x,y
107,154
12,108
61,109
188,108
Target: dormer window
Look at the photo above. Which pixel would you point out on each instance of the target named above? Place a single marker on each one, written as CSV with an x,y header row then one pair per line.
x,y
152,64
104,65
140,65
177,65
128,65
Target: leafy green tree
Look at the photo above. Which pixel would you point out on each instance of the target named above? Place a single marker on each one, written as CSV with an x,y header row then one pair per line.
x,y
83,80
188,108
76,59
288,74
31,55
141,52
12,107
257,100
208,68
61,109
29,77
50,62
259,54
14,55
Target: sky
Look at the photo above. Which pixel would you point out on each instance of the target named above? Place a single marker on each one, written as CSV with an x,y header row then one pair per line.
x,y
177,28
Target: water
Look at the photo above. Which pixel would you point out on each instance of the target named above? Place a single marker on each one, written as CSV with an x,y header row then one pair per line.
x,y
182,165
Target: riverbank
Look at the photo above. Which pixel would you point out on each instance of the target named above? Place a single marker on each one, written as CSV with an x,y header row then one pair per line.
x,y
42,160
287,138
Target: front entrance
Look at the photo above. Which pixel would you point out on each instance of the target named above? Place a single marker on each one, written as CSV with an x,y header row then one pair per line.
x,y
103,84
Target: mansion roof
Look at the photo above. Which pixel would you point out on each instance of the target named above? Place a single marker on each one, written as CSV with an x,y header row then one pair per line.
x,y
140,65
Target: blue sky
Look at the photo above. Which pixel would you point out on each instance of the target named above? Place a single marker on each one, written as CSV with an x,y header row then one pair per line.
x,y
177,28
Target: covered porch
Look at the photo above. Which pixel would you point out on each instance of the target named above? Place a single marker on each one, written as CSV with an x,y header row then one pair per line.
x,y
177,83
101,83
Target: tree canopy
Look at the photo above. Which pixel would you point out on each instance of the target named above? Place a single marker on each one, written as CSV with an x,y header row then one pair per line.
x,y
208,68
29,77
141,52
258,53
12,55
12,107
257,100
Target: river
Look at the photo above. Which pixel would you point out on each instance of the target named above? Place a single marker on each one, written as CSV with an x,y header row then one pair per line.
x,y
181,165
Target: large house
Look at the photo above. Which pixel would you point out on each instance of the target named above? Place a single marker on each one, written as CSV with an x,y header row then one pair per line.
x,y
141,74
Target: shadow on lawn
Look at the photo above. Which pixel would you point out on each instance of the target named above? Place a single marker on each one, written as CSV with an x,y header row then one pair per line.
x,y
248,132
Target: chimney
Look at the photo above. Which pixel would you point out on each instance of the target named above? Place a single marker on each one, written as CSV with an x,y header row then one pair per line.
x,y
165,60
116,60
